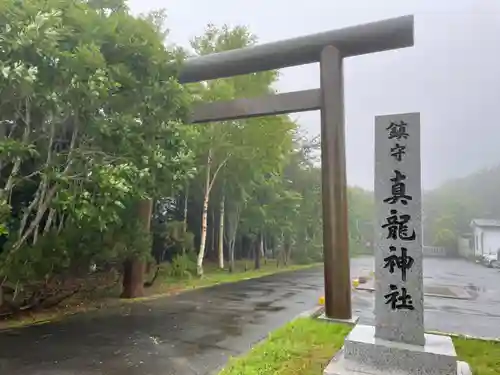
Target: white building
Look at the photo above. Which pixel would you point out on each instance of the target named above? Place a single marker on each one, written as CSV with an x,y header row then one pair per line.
x,y
486,237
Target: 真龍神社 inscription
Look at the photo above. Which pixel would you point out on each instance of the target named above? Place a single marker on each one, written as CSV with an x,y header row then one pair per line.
x,y
396,344
398,250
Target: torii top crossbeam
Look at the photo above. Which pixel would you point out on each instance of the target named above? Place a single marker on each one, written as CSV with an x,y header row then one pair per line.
x,y
351,41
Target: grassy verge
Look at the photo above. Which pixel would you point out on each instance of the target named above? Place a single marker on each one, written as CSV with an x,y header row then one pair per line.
x,y
302,347
482,356
305,346
165,285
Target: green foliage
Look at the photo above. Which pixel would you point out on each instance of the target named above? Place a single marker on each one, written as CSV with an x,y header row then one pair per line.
x,y
237,154
183,265
73,250
445,238
296,211
5,211
299,256
91,117
92,123
449,209
172,238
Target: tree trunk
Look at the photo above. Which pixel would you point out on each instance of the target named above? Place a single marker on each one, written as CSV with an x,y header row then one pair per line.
x,y
133,268
262,248
204,217
287,248
133,278
221,233
185,219
231,257
258,251
230,239
280,251
186,198
233,218
212,236
273,246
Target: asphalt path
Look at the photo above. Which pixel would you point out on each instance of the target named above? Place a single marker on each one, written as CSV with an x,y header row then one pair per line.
x,y
196,332
192,333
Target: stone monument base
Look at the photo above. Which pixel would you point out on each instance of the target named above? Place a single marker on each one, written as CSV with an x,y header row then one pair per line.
x,y
363,354
352,321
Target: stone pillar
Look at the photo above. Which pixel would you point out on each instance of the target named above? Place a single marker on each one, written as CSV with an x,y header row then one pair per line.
x,y
397,344
399,298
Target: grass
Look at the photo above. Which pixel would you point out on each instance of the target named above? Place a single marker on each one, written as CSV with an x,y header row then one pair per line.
x,y
302,347
482,356
165,285
305,346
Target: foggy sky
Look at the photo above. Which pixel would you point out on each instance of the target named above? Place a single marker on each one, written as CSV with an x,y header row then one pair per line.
x,y
451,76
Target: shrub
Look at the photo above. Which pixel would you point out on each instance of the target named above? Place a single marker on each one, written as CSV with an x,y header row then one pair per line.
x,y
183,265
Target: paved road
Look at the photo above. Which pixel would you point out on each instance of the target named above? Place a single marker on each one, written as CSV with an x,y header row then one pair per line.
x,y
192,333
196,332
478,315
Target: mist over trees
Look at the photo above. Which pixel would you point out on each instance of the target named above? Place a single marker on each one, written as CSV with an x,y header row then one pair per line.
x,y
449,209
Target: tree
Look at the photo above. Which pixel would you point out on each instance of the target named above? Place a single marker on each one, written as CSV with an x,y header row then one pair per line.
x,y
86,136
226,142
449,209
92,135
361,211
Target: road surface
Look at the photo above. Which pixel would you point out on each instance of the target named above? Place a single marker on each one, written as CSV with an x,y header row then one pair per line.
x,y
196,332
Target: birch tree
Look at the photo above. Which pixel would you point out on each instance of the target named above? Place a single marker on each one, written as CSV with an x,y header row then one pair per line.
x,y
216,144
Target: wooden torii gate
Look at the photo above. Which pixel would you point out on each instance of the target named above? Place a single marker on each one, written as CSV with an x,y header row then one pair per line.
x,y
329,49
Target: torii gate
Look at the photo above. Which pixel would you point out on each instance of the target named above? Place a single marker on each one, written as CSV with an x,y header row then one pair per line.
x,y
329,49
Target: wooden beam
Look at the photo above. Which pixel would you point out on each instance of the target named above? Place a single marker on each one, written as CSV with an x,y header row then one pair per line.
x,y
334,188
298,101
352,41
